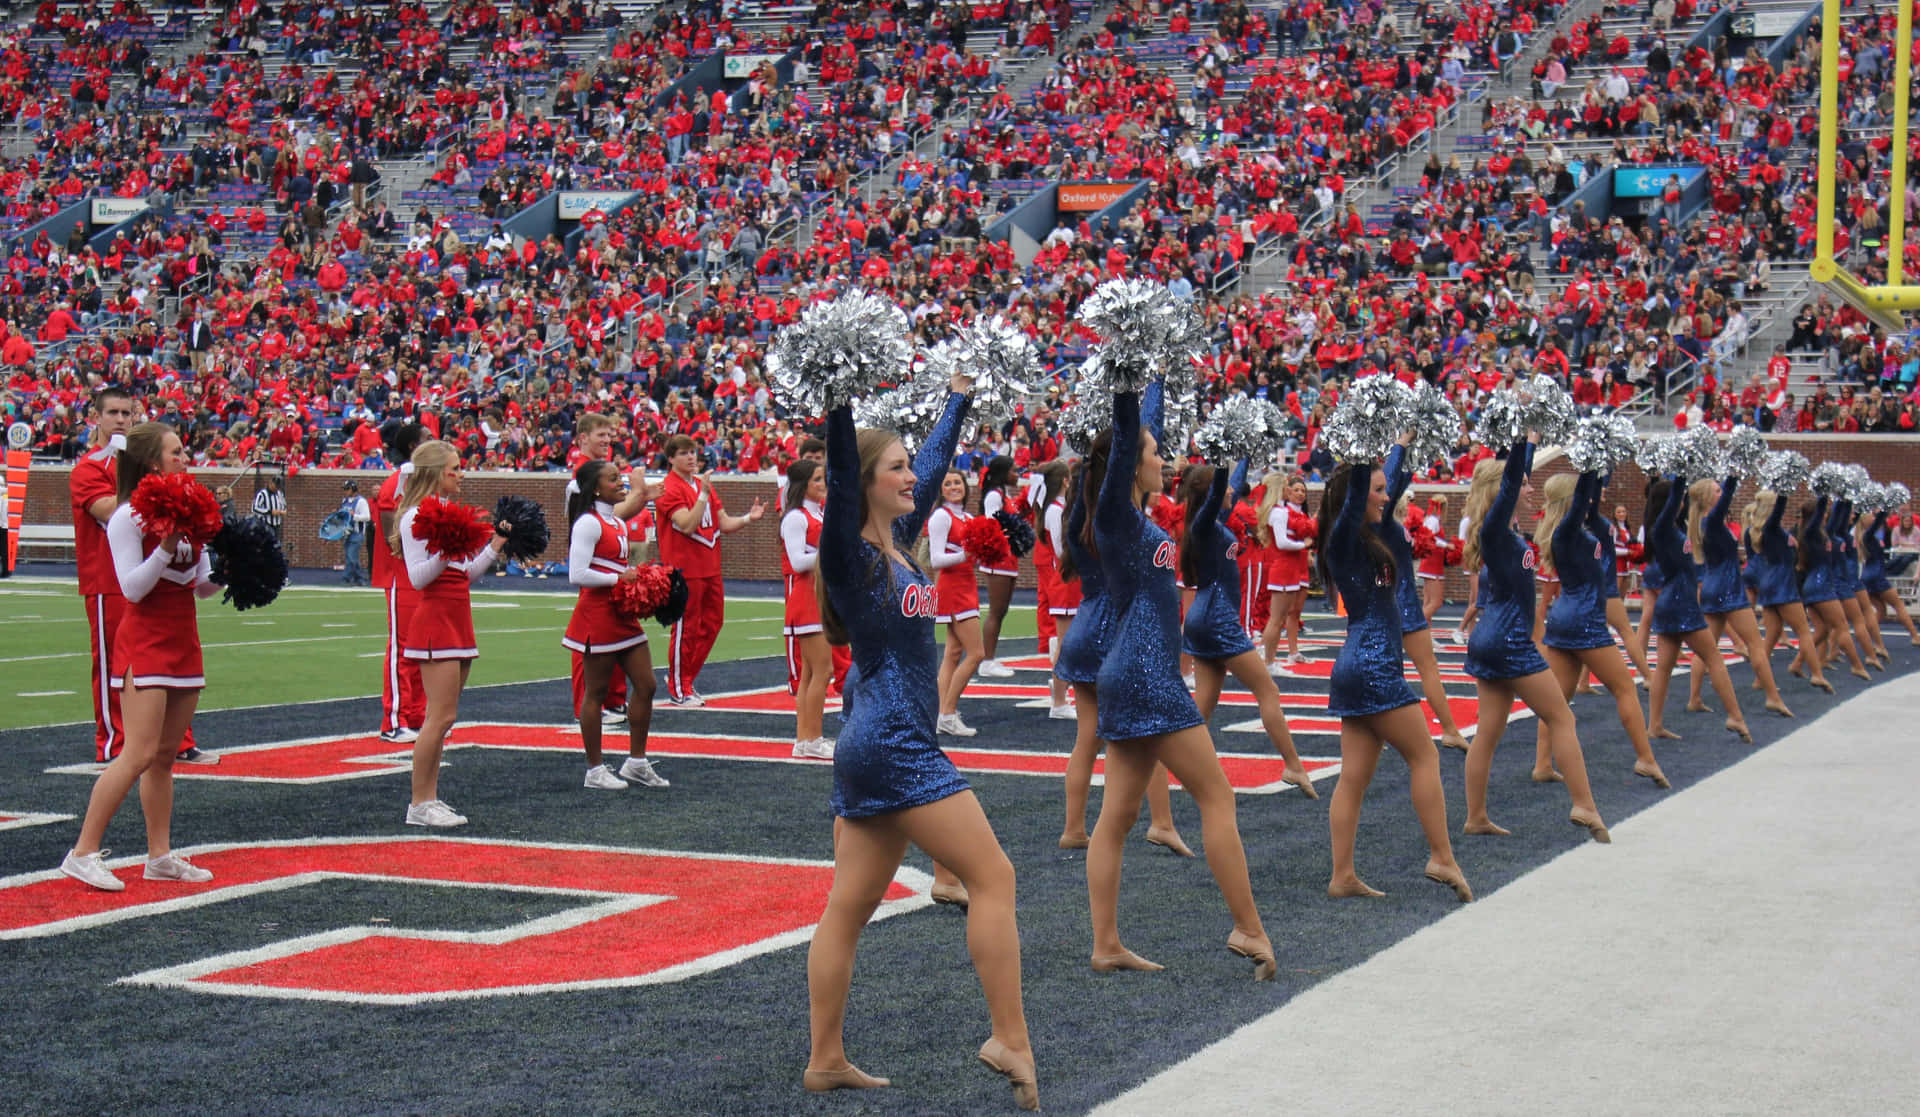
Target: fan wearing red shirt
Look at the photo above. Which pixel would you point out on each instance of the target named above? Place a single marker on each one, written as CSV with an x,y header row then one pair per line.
x,y
691,524
94,488
403,702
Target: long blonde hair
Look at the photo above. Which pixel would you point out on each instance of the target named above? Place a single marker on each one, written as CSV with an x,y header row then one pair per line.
x,y
1700,497
871,444
431,460
1274,490
1486,482
1557,494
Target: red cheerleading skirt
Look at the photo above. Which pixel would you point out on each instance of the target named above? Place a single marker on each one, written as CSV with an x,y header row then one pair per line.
x,y
956,594
1063,598
441,626
157,645
803,608
1013,573
1287,570
595,628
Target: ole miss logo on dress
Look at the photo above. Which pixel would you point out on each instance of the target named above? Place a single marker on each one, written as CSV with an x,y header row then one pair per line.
x,y
918,601
1528,560
1163,555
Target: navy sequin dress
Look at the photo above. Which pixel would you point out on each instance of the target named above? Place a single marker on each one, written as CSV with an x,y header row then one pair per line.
x,y
1846,557
1577,619
1141,692
1406,590
1212,629
1502,646
1721,588
1816,585
1084,648
1775,580
1369,675
886,758
1873,557
1676,611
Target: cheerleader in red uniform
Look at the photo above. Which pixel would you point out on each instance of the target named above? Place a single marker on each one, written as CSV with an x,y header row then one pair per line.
x,y
155,665
808,658
402,705
597,553
995,486
1062,597
1286,527
439,634
956,602
1432,571
1033,498
1256,604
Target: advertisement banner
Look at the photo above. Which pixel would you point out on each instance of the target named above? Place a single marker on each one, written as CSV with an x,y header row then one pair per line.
x,y
1085,197
1648,182
574,204
112,211
741,66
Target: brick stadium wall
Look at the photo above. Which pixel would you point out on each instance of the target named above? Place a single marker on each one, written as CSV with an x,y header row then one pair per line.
x,y
754,551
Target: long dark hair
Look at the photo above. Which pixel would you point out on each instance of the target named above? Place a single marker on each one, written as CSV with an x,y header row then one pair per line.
x,y
1054,476
586,479
799,476
1813,537
1334,497
1076,477
1192,492
999,473
145,444
1093,473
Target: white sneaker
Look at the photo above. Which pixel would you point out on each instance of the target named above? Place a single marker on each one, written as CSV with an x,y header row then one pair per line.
x,y
1458,636
434,813
196,756
1296,658
689,699
952,726
617,715
640,771
1062,713
601,778
92,869
1278,668
994,669
174,867
400,736
820,748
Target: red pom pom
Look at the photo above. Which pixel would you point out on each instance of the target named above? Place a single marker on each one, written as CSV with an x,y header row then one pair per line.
x,y
983,538
453,531
176,504
1425,543
1454,554
1636,552
1302,526
639,597
1171,515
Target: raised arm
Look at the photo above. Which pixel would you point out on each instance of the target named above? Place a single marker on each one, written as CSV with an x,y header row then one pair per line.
x,y
1815,530
1210,505
930,465
1237,483
1717,515
1210,559
840,522
1596,523
1343,538
1839,523
1500,513
1153,409
1586,492
1116,513
1399,475
1774,519
1662,535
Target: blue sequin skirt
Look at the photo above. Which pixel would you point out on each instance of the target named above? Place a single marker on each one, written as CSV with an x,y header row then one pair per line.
x,y
1502,646
1212,628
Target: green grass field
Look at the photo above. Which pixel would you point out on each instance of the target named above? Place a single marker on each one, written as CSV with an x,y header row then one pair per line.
x,y
313,644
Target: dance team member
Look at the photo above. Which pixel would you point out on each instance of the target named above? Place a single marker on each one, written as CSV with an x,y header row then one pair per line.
x,y
1146,714
1416,636
995,484
1211,632
1846,582
1083,650
1677,620
1287,531
1875,539
1059,598
439,635
808,659
155,666
403,704
1577,640
957,593
1821,598
1501,655
891,783
1777,583
692,521
1723,591
597,558
1367,689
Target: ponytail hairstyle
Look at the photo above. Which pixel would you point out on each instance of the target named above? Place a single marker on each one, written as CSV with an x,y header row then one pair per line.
x,y
1093,473
1273,489
146,444
1557,499
871,444
1486,483
799,476
1813,537
586,480
1193,490
431,460
1334,495
998,475
402,437
1054,476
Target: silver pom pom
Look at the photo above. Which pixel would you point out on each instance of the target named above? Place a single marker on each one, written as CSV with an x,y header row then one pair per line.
x,y
1871,498
1086,413
1598,441
1746,451
838,352
1004,365
1140,326
1435,424
1829,479
1179,415
1656,455
1373,413
911,409
1502,422
1897,496
1859,482
1549,410
1697,454
1241,427
1785,471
